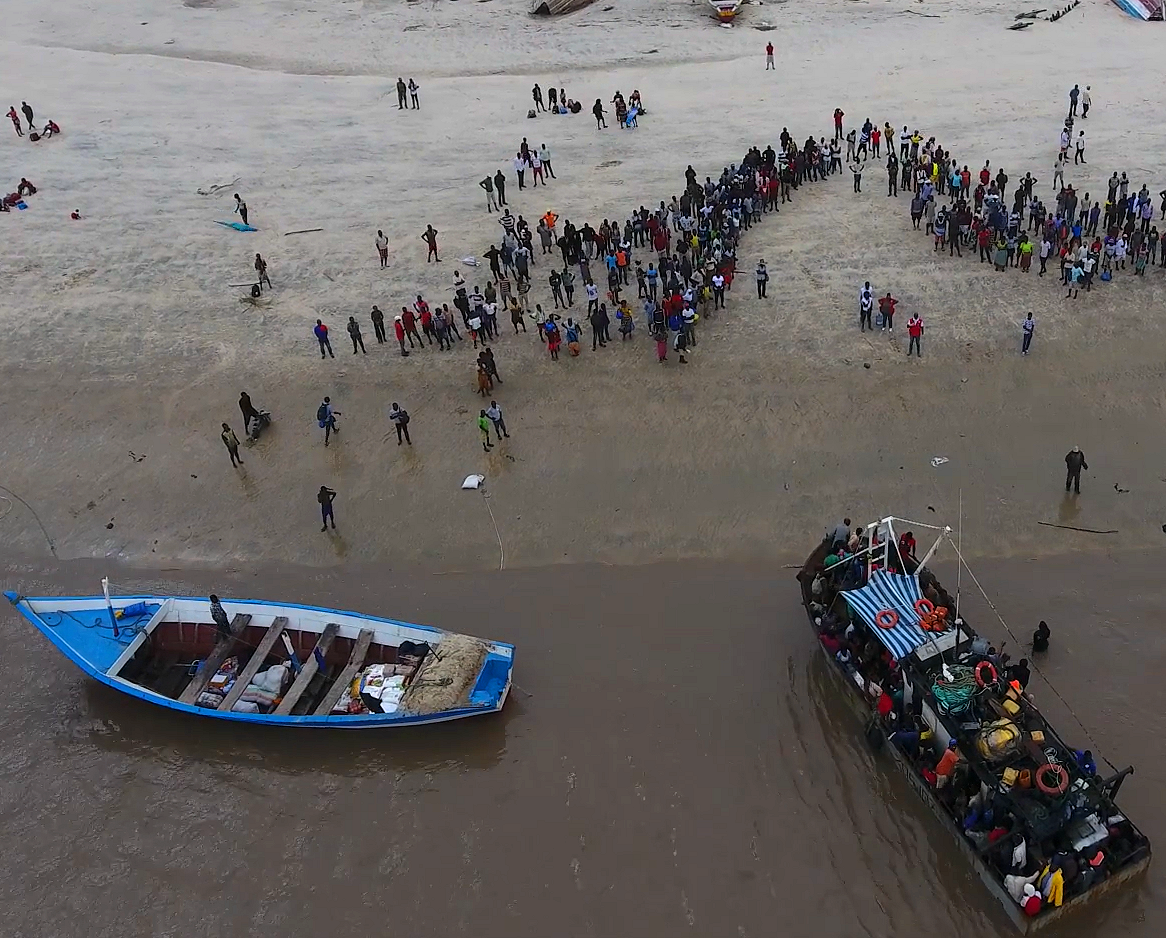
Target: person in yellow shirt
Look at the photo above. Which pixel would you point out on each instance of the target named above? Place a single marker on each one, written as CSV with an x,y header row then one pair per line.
x,y
1052,886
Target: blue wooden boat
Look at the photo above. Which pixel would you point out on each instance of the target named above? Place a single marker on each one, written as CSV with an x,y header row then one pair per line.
x,y
281,663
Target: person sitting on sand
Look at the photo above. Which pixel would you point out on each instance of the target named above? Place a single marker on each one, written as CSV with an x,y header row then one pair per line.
x,y
25,187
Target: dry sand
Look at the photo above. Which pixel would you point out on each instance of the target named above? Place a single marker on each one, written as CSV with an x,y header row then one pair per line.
x,y
122,333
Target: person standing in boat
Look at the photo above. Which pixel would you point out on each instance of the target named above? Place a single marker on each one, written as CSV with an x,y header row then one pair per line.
x,y
222,623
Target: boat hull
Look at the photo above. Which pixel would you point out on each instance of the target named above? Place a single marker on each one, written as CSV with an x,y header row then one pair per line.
x,y
75,625
857,703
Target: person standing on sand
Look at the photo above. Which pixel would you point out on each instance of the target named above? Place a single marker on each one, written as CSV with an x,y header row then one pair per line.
x,y
769,57
500,186
326,497
857,167
430,238
326,418
892,174
537,93
399,331
494,412
401,89
484,428
1074,463
232,443
488,185
597,110
887,310
241,209
519,164
261,271
838,115
382,244
915,331
1086,100
865,308
248,410
321,333
413,89
15,118
400,419
1073,95
354,334
544,154
1027,327
762,274
27,115
378,324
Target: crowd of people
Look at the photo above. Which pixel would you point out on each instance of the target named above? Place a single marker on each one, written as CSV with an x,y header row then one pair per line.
x,y
1006,222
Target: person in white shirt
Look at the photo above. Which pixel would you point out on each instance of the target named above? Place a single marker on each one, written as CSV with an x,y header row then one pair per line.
x,y
383,248
545,155
536,166
520,169
1079,154
494,412
1086,100
592,297
718,291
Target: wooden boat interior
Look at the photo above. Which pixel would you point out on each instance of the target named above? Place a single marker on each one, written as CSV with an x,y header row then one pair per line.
x,y
179,657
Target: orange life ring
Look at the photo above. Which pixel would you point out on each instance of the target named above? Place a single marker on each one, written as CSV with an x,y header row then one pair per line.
x,y
1062,779
886,619
924,607
980,678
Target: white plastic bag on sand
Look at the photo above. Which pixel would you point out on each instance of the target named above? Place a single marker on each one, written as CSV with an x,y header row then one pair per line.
x,y
938,461
470,261
473,481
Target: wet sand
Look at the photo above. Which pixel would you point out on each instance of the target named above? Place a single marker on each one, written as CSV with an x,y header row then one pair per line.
x,y
675,762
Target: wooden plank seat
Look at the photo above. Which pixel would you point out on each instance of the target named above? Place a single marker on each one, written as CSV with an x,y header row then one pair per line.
x,y
270,637
214,660
340,685
308,671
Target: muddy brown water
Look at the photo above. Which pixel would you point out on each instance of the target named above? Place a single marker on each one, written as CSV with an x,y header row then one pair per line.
x,y
674,763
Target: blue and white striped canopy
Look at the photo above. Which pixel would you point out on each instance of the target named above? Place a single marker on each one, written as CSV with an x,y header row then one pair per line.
x,y
898,593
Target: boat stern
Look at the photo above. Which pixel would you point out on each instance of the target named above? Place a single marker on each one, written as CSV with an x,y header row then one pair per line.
x,y
492,686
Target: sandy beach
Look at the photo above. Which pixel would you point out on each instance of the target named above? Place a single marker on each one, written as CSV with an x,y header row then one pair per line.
x,y
125,336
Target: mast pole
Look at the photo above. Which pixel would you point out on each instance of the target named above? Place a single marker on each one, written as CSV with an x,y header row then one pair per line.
x,y
959,572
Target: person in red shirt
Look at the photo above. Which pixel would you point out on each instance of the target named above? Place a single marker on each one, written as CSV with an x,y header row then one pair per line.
x,y
965,181
399,330
410,320
915,331
947,763
838,115
984,240
875,137
769,57
887,306
985,176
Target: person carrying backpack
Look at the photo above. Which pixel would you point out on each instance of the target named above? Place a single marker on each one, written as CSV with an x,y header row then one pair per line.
x,y
400,418
326,418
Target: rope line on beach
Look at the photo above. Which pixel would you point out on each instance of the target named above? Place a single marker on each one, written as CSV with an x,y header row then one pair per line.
x,y
991,605
52,546
497,533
